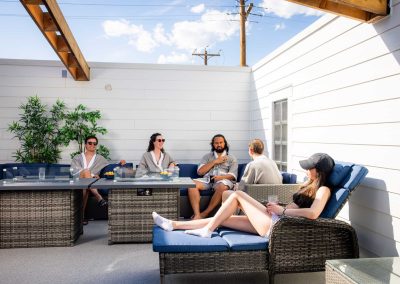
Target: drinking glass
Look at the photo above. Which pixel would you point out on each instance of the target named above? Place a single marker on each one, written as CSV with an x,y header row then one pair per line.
x,y
273,198
42,173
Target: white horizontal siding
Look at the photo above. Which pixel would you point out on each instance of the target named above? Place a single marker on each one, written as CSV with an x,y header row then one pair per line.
x,y
188,104
345,78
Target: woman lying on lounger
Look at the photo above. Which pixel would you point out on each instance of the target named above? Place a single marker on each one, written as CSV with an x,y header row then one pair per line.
x,y
308,201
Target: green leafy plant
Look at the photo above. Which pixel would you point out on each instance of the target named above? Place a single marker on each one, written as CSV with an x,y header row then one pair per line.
x,y
80,123
38,132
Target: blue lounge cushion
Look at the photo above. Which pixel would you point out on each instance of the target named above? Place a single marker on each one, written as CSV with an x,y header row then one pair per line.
x,y
339,173
357,174
178,241
242,241
335,202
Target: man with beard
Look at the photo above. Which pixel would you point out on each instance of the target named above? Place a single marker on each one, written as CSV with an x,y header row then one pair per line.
x,y
219,170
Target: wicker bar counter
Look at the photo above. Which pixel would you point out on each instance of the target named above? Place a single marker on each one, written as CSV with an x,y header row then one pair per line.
x,y
131,202
40,213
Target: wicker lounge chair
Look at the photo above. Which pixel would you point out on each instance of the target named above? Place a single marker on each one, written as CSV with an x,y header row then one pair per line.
x,y
295,245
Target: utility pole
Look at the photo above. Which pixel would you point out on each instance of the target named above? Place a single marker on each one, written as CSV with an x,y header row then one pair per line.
x,y
205,55
243,18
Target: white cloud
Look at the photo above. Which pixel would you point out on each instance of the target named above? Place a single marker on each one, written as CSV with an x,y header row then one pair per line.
x,y
160,36
287,9
214,26
280,26
173,58
197,9
141,39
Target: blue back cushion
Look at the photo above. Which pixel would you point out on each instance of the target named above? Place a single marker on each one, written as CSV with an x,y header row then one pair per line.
x,y
288,178
58,170
23,169
339,173
343,179
335,202
241,168
188,170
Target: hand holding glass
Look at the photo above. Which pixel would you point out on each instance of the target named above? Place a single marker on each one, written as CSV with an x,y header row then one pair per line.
x,y
273,199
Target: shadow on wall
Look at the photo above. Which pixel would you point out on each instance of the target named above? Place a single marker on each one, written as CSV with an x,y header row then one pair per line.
x,y
257,127
389,29
370,215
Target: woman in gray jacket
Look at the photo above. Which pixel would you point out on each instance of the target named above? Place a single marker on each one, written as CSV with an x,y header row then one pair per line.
x,y
155,160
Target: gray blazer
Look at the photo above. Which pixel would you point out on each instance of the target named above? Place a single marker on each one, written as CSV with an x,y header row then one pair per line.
x,y
147,163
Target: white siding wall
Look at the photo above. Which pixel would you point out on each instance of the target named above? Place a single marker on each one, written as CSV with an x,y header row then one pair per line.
x,y
187,104
342,82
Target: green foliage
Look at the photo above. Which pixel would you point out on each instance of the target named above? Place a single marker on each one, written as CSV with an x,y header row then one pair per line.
x,y
38,132
79,124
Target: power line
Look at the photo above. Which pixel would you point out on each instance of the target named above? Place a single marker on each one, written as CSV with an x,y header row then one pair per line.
x,y
127,5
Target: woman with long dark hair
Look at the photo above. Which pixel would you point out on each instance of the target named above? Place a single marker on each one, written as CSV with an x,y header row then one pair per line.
x,y
308,201
155,160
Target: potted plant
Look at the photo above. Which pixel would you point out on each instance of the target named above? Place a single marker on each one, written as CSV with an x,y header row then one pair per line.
x,y
38,131
80,123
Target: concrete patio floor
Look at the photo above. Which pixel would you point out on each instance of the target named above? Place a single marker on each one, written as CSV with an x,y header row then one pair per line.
x,y
92,260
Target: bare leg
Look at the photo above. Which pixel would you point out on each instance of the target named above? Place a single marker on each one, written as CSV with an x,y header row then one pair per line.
x,y
85,199
255,212
216,199
96,194
194,198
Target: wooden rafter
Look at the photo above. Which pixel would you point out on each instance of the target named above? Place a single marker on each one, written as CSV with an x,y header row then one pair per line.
x,y
368,11
51,22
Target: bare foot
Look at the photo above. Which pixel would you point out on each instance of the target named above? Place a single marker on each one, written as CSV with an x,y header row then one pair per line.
x,y
197,217
203,215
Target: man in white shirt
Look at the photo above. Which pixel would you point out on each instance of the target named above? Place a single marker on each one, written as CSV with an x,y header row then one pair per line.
x,y
262,170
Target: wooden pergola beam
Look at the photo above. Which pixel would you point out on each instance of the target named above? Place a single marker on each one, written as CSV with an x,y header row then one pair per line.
x,y
368,11
55,29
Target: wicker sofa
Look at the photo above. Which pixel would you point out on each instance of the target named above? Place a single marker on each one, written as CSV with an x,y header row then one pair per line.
x,y
295,244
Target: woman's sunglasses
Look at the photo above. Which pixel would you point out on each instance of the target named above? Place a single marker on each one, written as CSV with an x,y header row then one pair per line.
x,y
160,140
92,143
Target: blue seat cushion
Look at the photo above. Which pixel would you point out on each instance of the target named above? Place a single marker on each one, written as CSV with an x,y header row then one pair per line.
x,y
335,202
242,241
178,241
339,173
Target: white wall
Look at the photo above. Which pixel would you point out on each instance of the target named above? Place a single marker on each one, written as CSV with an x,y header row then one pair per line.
x,y
342,80
187,104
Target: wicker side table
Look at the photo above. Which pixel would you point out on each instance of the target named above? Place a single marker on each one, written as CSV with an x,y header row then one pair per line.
x,y
363,270
40,218
129,212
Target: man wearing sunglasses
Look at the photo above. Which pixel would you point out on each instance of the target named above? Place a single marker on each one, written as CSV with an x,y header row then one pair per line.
x,y
88,165
219,169
155,159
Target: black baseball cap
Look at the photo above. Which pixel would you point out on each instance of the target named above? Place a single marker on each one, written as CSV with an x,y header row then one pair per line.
x,y
321,161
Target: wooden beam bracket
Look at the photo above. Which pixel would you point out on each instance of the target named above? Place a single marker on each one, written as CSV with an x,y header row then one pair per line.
x,y
55,29
369,11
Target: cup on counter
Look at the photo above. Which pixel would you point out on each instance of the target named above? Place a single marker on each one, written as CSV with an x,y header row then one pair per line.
x,y
42,173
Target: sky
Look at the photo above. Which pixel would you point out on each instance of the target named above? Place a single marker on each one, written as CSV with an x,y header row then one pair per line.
x,y
157,31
